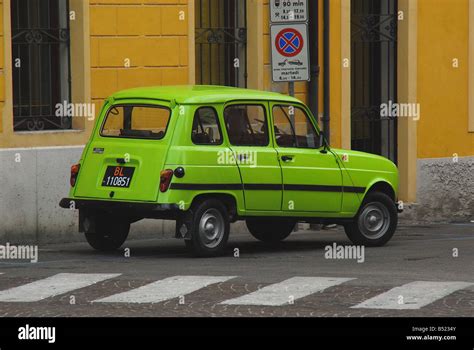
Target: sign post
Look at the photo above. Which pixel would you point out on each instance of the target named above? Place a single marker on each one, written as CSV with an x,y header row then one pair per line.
x,y
289,40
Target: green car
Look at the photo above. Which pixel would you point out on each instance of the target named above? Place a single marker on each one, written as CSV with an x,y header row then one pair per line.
x,y
207,156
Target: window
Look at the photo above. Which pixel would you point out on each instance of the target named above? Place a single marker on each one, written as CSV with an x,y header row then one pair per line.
x,y
41,63
206,129
293,128
221,42
246,125
144,122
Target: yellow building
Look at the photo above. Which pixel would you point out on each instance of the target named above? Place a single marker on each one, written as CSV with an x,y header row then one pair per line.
x,y
414,55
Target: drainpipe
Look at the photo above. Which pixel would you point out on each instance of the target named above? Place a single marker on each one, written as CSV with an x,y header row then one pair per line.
x,y
313,86
326,82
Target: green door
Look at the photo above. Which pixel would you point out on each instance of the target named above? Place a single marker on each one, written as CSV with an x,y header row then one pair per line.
x,y
312,179
247,130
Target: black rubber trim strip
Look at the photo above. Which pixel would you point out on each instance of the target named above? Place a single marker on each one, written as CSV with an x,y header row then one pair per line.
x,y
265,187
312,188
352,189
205,187
100,204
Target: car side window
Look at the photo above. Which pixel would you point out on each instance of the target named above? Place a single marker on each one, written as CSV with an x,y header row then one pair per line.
x,y
246,125
293,127
206,128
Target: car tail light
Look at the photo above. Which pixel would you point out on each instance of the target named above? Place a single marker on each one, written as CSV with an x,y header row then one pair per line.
x,y
165,179
74,172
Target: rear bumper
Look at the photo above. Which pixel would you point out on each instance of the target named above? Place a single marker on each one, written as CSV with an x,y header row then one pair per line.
x,y
74,203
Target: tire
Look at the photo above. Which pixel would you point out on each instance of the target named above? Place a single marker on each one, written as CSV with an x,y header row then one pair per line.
x,y
110,233
210,229
271,230
375,223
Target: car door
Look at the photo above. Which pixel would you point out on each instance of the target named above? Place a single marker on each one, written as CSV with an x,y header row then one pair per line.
x,y
247,126
312,178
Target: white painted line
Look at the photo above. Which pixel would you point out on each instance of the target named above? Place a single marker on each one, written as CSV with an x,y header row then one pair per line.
x,y
287,291
168,288
412,295
52,286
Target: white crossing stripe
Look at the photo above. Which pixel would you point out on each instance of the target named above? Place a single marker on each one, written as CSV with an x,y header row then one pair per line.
x,y
287,291
52,286
168,288
412,295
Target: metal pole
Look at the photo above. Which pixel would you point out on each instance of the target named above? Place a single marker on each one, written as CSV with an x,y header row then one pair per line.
x,y
291,88
326,70
313,86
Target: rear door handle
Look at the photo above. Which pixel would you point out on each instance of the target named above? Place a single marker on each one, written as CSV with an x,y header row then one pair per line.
x,y
287,158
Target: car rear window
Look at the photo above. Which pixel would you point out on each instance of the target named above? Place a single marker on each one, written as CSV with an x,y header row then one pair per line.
x,y
136,121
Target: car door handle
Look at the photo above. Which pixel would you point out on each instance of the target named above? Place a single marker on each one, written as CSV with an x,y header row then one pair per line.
x,y
242,157
287,158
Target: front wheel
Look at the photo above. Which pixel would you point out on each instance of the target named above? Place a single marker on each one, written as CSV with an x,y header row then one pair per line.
x,y
210,228
110,233
270,231
375,222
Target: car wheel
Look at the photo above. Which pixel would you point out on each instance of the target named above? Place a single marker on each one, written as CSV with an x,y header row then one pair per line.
x,y
210,228
110,233
270,231
375,222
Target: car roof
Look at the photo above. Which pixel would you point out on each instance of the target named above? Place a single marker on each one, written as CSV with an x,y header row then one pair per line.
x,y
197,94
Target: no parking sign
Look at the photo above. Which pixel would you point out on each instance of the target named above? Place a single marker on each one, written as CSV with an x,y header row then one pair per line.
x,y
290,52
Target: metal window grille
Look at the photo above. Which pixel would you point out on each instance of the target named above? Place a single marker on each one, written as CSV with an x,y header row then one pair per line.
x,y
41,63
374,75
221,42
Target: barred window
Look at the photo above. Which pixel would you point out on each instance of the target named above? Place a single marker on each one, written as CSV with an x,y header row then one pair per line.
x,y
40,63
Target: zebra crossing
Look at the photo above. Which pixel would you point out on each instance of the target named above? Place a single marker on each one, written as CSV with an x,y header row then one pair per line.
x,y
169,288
287,291
410,296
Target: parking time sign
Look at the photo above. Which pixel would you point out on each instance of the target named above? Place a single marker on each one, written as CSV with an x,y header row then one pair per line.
x,y
284,11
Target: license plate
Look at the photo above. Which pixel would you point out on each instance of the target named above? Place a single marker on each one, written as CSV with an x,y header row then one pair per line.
x,y
118,176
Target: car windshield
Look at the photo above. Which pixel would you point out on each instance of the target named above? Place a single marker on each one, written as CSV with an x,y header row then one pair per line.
x,y
136,121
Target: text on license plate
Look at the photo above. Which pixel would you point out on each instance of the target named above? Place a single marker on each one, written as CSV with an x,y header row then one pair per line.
x,y
118,176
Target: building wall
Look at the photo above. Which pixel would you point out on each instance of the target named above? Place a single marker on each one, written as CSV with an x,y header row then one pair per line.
x,y
443,35
2,74
445,146
138,43
118,44
153,36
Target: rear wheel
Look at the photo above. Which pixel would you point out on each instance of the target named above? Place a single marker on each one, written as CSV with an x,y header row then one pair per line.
x,y
110,233
375,222
210,228
270,230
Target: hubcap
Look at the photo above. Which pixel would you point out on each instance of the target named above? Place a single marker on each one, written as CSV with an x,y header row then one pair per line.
x,y
374,220
211,228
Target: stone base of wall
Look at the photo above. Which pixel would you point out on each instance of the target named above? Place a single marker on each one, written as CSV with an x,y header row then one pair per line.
x,y
445,191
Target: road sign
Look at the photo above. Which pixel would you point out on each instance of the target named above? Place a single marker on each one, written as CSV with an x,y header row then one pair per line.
x,y
285,11
290,52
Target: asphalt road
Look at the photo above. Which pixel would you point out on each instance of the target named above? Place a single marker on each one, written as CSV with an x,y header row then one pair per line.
x,y
416,274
